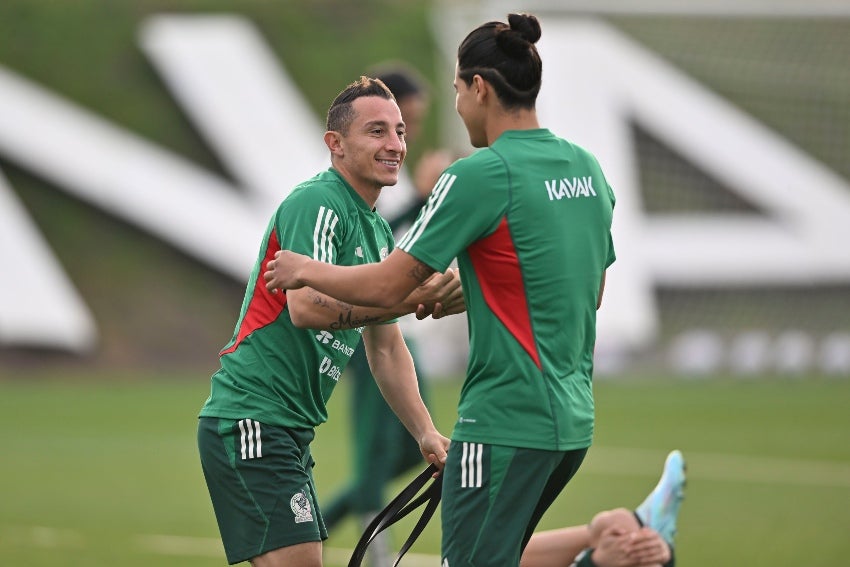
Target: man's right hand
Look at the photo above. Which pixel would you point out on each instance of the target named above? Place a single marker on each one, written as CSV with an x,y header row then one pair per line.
x,y
438,296
281,271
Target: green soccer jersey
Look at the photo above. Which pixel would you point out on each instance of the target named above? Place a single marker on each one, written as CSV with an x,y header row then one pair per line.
x,y
529,221
272,371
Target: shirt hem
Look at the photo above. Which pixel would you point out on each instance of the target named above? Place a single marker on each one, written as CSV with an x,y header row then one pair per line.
x,y
524,443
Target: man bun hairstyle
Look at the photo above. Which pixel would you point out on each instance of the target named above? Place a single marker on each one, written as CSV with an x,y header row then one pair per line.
x,y
505,55
341,111
515,40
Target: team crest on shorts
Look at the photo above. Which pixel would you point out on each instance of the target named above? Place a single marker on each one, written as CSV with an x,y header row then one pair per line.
x,y
301,508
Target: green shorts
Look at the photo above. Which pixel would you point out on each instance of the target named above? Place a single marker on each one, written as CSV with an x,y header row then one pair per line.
x,y
260,480
493,498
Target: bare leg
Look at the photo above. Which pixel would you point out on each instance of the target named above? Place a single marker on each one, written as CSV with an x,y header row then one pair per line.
x,y
615,535
555,548
302,555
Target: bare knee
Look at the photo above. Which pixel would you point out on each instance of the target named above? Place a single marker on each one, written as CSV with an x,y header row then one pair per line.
x,y
621,519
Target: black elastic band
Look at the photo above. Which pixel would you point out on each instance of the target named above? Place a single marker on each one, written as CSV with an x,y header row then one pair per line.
x,y
398,508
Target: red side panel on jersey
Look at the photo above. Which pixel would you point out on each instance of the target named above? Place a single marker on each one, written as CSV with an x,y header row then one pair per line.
x,y
264,306
496,264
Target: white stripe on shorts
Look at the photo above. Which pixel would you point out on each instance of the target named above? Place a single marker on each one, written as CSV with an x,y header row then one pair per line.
x,y
250,437
471,465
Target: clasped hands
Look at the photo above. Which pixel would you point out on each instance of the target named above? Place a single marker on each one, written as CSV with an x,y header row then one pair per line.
x,y
438,296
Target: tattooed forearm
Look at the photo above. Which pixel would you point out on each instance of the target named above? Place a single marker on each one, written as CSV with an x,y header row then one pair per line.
x,y
421,272
345,313
325,301
318,298
346,321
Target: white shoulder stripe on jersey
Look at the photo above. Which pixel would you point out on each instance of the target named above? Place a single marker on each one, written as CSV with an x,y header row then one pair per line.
x,y
328,235
471,465
323,235
250,439
441,189
316,231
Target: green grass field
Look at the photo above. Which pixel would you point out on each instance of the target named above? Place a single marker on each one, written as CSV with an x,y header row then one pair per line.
x,y
106,472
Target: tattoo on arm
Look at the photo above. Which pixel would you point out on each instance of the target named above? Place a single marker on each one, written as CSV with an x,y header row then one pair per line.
x,y
421,272
345,319
323,301
318,298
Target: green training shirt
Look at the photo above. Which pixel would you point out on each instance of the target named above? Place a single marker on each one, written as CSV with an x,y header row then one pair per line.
x,y
529,221
272,371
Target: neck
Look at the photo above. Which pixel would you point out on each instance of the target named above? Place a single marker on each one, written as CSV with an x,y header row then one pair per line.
x,y
514,120
369,193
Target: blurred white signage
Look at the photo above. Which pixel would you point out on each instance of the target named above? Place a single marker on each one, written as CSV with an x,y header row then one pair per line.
x,y
610,82
257,121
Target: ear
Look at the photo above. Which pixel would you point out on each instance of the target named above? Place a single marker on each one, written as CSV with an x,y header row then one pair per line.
x,y
333,140
482,88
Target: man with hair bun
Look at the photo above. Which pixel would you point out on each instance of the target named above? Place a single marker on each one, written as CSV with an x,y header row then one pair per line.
x,y
528,217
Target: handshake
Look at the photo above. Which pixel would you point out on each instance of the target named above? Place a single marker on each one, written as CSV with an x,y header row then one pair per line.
x,y
426,292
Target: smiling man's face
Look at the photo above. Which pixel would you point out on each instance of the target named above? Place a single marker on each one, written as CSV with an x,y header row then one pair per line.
x,y
374,148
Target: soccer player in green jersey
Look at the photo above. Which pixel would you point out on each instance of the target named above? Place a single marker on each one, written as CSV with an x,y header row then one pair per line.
x,y
289,349
528,217
382,449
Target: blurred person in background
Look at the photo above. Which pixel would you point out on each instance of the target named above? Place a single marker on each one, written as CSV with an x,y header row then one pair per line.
x,y
381,447
414,101
289,349
619,538
528,217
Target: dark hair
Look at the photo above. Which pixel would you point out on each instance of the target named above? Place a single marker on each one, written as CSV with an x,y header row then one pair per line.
x,y
504,55
341,112
401,80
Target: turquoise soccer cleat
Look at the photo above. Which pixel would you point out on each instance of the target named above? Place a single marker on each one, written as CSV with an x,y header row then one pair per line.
x,y
660,510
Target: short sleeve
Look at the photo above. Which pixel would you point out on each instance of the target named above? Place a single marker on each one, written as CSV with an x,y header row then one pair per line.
x,y
310,224
464,206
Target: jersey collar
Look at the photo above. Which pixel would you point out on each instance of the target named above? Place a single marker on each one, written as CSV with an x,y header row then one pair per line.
x,y
355,196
